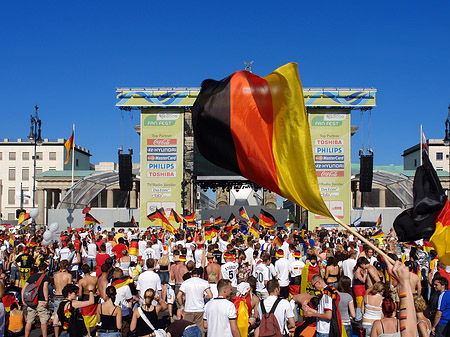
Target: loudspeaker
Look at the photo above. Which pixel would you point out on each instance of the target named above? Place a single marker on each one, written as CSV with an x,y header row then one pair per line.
x,y
125,174
365,173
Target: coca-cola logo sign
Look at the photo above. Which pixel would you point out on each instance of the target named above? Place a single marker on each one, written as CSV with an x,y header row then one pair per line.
x,y
330,174
161,142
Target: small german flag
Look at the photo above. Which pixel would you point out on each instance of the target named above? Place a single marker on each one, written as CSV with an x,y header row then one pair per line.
x,y
379,221
427,246
191,225
134,247
121,282
190,218
243,213
288,224
22,217
89,219
231,219
218,220
266,219
175,217
254,232
209,235
133,221
378,234
278,241
254,219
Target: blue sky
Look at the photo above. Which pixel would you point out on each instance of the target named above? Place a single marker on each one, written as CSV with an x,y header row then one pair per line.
x,y
68,57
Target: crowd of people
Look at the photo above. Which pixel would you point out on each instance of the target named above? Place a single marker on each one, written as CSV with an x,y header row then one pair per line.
x,y
281,282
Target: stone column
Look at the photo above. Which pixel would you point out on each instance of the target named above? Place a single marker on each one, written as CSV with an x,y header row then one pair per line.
x,y
40,204
109,198
382,197
222,197
270,199
358,199
133,203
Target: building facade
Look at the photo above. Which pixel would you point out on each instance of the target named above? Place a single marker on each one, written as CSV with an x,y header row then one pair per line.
x,y
17,170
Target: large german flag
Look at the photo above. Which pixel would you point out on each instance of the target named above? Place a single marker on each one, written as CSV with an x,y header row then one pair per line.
x,y
266,219
254,219
134,247
255,126
159,217
254,232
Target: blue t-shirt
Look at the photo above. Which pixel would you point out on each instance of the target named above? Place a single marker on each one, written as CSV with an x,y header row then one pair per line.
x,y
444,306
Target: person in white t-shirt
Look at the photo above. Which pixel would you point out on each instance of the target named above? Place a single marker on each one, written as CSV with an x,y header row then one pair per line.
x,y
282,267
324,311
229,270
193,289
149,279
249,252
283,311
219,317
348,266
149,252
262,275
123,296
142,245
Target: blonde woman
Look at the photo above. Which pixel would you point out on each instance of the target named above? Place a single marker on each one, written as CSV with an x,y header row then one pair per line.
x,y
164,271
371,306
150,311
423,323
124,262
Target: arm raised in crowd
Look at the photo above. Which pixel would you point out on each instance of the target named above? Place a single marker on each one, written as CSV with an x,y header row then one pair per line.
x,y
407,317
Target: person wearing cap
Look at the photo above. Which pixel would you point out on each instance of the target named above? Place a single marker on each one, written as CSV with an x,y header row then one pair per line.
x,y
229,271
193,289
282,267
295,271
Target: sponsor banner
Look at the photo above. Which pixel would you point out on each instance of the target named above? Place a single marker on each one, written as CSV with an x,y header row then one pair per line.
x,y
161,158
161,150
330,136
161,142
329,166
162,166
328,158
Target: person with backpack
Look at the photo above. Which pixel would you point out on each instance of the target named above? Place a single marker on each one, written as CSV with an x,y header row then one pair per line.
x,y
277,317
219,317
35,298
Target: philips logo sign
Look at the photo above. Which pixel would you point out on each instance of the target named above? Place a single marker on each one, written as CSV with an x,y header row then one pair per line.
x,y
328,150
162,166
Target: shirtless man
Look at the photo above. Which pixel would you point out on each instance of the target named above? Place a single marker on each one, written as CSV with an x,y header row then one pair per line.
x,y
103,281
87,284
213,267
176,278
61,279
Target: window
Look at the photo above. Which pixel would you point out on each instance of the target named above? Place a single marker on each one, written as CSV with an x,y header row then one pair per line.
x,y
38,170
439,156
39,156
52,169
76,162
25,174
52,156
415,162
25,155
1,155
12,174
11,216
12,156
11,196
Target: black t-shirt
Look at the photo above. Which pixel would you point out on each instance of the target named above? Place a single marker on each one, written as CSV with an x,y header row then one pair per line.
x,y
25,261
176,329
218,255
34,279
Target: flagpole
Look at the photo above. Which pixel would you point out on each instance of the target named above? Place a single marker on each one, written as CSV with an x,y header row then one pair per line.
x,y
363,239
420,153
73,158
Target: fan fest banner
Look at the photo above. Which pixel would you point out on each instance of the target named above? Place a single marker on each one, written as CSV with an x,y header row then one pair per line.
x,y
161,161
330,138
